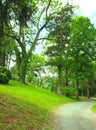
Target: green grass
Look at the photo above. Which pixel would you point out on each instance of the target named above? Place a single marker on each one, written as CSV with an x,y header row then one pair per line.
x,y
26,107
94,108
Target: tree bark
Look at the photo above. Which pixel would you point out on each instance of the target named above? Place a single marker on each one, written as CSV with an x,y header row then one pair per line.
x,y
2,49
82,92
21,61
77,88
88,92
66,82
22,72
59,91
2,55
59,87
1,21
88,88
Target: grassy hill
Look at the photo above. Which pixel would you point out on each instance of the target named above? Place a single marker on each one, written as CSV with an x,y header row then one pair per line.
x,y
26,107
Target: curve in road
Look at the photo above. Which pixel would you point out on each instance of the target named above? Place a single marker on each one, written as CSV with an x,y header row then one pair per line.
x,y
75,116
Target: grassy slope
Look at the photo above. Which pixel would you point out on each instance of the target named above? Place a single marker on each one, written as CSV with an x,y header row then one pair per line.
x,y
25,107
94,108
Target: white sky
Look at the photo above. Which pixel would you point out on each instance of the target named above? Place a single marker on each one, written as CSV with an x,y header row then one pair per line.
x,y
87,8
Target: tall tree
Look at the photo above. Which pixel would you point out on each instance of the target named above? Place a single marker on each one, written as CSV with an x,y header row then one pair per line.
x,y
3,21
82,46
60,31
27,25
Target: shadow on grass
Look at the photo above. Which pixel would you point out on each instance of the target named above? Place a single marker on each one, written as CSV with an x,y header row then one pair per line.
x,y
16,114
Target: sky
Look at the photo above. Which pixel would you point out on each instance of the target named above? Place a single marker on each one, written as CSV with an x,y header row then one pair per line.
x,y
87,8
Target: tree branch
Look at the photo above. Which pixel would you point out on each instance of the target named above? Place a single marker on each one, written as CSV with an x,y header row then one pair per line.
x,y
48,8
44,38
40,18
16,38
38,33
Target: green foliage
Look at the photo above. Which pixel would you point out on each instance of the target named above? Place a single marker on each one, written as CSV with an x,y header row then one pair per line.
x,y
5,75
14,72
35,69
59,32
22,10
26,16
3,78
82,44
94,108
82,38
69,91
47,82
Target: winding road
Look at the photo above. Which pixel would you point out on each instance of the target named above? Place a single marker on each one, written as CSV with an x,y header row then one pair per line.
x,y
75,116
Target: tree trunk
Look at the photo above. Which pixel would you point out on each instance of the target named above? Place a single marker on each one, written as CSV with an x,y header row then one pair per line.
x,y
22,55
88,88
1,21
82,92
52,88
66,82
21,61
2,56
2,52
59,87
88,92
22,70
59,91
77,88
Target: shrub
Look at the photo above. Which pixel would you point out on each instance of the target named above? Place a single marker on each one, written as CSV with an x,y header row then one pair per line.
x,y
5,75
3,78
8,73
14,72
69,91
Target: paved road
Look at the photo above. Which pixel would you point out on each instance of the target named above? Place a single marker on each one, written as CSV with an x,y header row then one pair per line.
x,y
75,116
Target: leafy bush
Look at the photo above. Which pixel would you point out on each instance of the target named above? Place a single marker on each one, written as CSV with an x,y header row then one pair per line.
x,y
69,91
3,78
5,75
14,72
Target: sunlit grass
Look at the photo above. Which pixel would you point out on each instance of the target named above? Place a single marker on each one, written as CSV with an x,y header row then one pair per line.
x,y
94,108
25,107
32,94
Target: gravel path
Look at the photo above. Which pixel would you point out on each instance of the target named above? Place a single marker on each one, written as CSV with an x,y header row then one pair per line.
x,y
75,116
